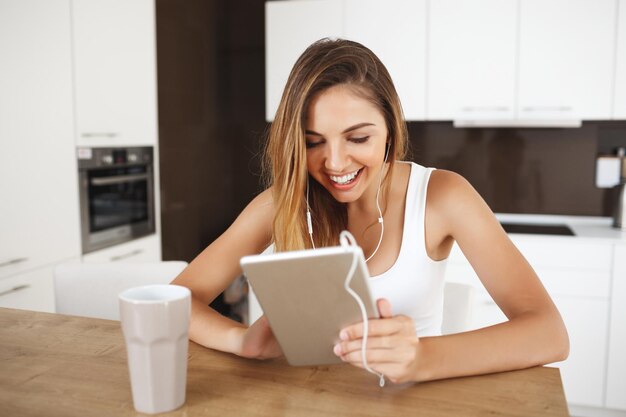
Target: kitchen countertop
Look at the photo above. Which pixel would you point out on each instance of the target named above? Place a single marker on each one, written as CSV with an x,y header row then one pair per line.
x,y
583,226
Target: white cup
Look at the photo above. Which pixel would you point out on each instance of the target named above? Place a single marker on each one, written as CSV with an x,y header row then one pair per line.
x,y
155,323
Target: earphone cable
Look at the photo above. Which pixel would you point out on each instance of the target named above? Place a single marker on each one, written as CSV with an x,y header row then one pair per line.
x,y
346,240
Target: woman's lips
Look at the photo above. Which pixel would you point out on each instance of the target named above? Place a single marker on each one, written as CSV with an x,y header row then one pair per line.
x,y
349,185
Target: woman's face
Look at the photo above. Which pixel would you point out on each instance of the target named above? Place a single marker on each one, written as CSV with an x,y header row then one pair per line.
x,y
345,138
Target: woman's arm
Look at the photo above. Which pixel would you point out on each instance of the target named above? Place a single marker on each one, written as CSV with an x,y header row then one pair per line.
x,y
533,335
214,269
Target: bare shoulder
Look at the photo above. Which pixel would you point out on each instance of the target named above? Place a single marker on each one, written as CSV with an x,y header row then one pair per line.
x,y
448,190
263,202
452,206
257,217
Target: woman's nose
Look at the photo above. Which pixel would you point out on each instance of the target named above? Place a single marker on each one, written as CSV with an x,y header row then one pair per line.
x,y
337,158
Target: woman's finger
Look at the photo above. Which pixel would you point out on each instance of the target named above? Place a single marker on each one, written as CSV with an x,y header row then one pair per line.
x,y
373,356
383,342
384,308
379,327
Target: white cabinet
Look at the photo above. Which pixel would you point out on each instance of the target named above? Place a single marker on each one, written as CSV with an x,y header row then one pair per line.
x,y
619,96
616,378
115,72
146,249
567,51
33,290
472,59
395,30
583,372
577,275
39,221
526,60
291,26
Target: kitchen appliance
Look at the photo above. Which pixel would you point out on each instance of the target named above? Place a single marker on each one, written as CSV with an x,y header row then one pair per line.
x,y
538,229
619,213
116,187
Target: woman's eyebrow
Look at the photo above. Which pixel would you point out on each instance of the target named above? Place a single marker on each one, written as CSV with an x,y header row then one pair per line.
x,y
350,129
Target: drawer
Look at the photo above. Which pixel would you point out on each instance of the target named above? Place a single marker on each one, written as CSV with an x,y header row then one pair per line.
x,y
561,253
566,253
147,249
583,283
33,290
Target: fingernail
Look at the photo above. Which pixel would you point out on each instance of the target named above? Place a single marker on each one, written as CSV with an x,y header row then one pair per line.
x,y
343,335
337,349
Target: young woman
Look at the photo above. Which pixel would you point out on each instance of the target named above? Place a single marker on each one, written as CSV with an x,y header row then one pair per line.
x,y
339,132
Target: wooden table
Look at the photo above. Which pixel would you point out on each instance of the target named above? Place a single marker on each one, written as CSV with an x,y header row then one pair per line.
x,y
56,365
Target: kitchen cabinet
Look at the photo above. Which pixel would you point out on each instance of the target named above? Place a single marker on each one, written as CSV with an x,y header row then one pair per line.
x,y
146,249
32,290
505,60
395,30
566,73
619,96
577,275
472,59
115,72
291,26
616,378
38,172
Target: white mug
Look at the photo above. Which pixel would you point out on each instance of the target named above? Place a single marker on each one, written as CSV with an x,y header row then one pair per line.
x,y
155,323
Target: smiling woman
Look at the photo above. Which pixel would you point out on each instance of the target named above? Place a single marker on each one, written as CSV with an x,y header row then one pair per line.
x,y
334,162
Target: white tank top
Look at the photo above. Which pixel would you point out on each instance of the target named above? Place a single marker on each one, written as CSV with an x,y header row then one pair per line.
x,y
414,283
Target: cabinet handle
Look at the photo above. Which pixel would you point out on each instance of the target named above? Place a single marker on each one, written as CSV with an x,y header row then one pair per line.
x,y
126,255
470,109
14,289
13,262
564,109
99,134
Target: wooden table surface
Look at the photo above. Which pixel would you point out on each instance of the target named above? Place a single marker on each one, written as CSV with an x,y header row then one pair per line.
x,y
56,365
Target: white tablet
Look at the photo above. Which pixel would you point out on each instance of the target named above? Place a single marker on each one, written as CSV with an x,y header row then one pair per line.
x,y
303,296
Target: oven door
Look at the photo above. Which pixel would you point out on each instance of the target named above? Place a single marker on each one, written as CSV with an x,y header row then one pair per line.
x,y
117,205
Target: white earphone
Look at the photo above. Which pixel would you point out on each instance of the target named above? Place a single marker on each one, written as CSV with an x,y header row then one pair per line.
x,y
309,221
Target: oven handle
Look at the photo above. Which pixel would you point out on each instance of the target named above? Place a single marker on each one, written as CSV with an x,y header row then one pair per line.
x,y
118,179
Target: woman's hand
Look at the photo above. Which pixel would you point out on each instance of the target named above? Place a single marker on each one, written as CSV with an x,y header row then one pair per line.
x,y
392,345
259,342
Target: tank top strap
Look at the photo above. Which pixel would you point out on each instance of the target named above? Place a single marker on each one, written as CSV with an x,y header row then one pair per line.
x,y
415,215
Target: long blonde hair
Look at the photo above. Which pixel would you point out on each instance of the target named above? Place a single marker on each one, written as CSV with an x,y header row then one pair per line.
x,y
324,64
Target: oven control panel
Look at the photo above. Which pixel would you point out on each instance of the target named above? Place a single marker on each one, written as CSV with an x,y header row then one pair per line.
x,y
106,157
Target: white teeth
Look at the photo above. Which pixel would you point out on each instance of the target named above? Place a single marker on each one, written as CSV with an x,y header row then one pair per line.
x,y
344,179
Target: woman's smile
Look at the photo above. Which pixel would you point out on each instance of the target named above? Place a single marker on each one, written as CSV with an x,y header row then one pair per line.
x,y
346,181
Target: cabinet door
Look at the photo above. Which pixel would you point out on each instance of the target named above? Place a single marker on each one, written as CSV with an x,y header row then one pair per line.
x,y
39,221
583,372
33,290
566,59
619,93
395,31
291,26
472,59
616,378
579,286
115,72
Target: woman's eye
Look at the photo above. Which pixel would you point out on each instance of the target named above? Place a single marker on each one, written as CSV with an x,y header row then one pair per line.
x,y
310,145
360,140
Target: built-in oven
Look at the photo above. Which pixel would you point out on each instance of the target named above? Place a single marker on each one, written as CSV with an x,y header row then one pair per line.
x,y
116,195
